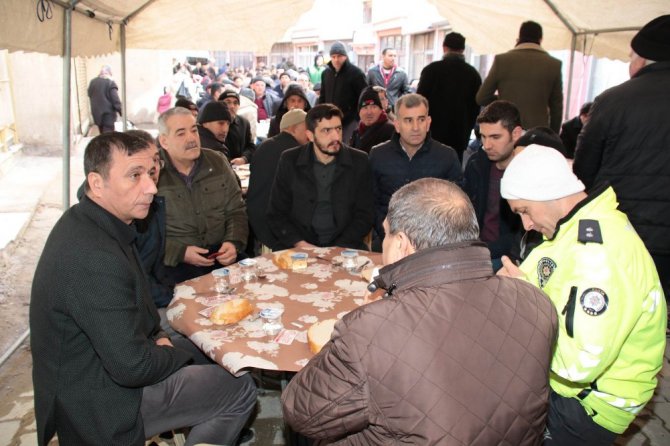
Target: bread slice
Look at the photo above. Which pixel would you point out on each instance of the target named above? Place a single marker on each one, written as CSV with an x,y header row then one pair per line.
x,y
319,334
283,260
231,311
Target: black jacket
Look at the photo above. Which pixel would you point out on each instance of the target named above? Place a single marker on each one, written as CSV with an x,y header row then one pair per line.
x,y
209,141
376,134
569,132
281,111
294,194
263,168
93,327
103,94
476,185
627,143
343,88
398,84
238,140
450,85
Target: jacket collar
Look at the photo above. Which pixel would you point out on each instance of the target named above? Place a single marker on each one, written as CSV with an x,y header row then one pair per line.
x,y
529,46
425,147
602,194
109,223
435,266
656,66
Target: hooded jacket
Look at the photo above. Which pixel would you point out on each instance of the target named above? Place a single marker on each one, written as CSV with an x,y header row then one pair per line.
x,y
453,355
292,90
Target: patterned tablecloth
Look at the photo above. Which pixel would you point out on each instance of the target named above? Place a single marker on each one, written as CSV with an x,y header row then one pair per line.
x,y
322,291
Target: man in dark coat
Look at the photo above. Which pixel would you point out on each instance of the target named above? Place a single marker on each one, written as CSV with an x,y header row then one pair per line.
x,y
103,371
213,124
341,84
239,142
294,98
263,168
103,93
627,142
571,128
322,194
375,127
388,75
450,85
528,77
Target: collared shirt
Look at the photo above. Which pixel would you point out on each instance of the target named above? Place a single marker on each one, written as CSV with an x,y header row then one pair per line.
x,y
323,220
188,179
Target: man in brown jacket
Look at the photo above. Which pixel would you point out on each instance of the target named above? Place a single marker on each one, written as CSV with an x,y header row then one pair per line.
x,y
451,355
528,77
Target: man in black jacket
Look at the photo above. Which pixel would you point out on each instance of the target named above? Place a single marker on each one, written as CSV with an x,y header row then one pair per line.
x,y
341,84
263,167
213,124
627,142
103,94
375,127
103,371
240,144
450,85
322,194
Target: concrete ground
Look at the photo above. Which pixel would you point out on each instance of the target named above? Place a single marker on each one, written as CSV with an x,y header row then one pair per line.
x,y
30,203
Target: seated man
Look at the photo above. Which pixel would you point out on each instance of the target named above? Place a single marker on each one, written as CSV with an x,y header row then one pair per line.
x,y
295,97
409,155
322,194
205,214
451,355
263,168
213,123
103,371
239,139
601,278
375,127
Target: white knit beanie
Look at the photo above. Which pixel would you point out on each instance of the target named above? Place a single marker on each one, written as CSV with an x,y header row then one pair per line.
x,y
539,173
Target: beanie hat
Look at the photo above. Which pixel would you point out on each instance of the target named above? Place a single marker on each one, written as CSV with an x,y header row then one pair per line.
x,y
369,97
257,79
214,111
455,41
292,117
539,173
543,136
653,41
338,48
229,94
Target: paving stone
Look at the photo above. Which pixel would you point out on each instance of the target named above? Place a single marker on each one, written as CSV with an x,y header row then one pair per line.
x,y
8,429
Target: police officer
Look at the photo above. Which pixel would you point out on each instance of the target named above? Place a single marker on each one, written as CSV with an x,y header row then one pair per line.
x,y
605,287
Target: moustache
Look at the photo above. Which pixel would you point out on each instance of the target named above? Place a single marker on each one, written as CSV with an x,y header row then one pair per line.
x,y
191,145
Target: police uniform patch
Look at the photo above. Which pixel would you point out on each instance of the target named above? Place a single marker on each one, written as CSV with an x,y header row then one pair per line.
x,y
589,232
545,268
594,301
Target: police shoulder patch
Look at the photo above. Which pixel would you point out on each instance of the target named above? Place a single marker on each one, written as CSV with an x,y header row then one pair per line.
x,y
545,268
594,301
589,232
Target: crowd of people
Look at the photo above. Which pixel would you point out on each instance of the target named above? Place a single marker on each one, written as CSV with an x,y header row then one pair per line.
x,y
524,293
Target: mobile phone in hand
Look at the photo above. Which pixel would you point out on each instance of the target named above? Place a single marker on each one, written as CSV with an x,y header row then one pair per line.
x,y
213,255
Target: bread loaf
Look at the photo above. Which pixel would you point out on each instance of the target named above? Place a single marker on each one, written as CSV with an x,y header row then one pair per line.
x,y
318,334
283,260
231,311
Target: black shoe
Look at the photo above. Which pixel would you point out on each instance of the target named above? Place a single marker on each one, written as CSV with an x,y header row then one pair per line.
x,y
246,434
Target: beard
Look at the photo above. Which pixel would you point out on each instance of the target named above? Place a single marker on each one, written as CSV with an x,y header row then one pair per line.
x,y
331,149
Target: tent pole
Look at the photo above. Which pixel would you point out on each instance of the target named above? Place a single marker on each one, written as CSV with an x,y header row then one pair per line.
x,y
67,73
123,76
573,47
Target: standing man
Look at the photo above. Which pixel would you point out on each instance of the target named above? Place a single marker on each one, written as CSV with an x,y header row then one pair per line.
x,y
597,272
103,94
389,76
239,139
322,194
341,84
450,85
205,214
528,77
103,371
451,355
499,227
293,133
409,155
627,142
570,129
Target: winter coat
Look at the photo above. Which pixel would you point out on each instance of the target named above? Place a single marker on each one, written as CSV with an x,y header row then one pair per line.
x,y
281,111
450,85
531,79
398,84
627,143
376,134
454,355
343,88
103,95
208,140
239,141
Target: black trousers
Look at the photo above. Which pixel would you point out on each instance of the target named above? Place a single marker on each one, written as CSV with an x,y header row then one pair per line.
x,y
568,424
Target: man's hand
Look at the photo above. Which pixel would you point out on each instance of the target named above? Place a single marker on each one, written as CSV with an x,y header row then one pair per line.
x,y
303,244
164,341
238,161
509,269
197,256
227,254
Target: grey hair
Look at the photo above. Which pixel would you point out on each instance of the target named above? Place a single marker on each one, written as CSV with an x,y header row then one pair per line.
x,y
167,114
411,100
432,212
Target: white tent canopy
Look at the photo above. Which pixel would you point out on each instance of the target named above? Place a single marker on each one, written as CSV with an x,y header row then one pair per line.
x,y
599,27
